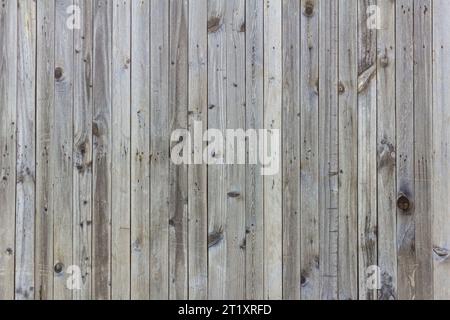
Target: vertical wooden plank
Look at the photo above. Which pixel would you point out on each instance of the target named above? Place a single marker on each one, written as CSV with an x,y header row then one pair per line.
x,y
291,149
328,148
159,149
406,252
367,137
234,229
441,135
178,175
8,81
82,153
217,91
140,148
61,150
423,106
309,140
348,151
120,178
44,124
386,151
254,26
101,128
197,174
272,121
25,149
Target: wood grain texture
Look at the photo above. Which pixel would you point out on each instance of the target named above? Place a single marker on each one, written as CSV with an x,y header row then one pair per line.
x,y
406,247
44,119
254,260
291,150
178,174
140,150
309,153
273,215
198,174
217,104
440,184
82,153
101,130
92,205
8,109
348,151
423,113
121,153
328,149
386,151
367,159
25,150
159,149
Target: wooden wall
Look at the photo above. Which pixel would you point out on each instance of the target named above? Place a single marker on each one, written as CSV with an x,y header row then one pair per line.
x,y
90,92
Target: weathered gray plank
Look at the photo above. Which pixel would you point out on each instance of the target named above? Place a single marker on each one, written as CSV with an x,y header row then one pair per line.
x,y
61,150
386,151
328,148
423,108
25,150
197,174
367,139
254,28
406,252
159,150
121,154
140,149
273,238
44,118
217,81
8,81
309,139
234,230
178,174
441,164
82,154
348,151
101,129
291,149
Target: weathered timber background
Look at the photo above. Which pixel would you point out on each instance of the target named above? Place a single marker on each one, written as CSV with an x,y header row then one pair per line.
x,y
86,179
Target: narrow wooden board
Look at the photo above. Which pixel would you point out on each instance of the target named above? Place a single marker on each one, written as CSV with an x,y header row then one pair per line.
x,y
367,158
159,150
254,28
406,248
273,239
441,164
140,150
197,174
8,82
102,139
121,153
309,140
178,174
291,149
348,151
386,151
25,150
217,81
328,149
82,154
44,120
423,113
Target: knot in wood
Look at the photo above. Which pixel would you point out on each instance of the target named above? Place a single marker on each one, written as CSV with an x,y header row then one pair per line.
x,y
58,73
309,9
403,203
59,267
